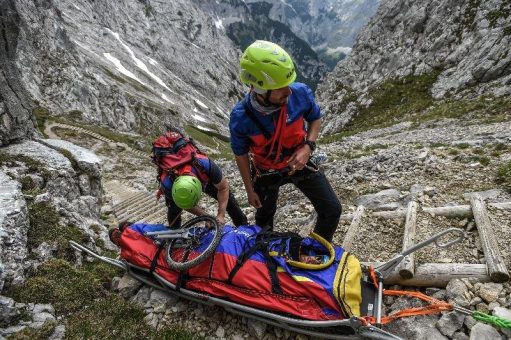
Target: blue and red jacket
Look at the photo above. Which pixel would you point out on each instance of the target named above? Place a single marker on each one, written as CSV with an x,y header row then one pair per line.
x,y
247,137
201,168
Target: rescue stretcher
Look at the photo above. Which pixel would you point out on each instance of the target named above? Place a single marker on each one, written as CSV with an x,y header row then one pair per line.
x,y
365,325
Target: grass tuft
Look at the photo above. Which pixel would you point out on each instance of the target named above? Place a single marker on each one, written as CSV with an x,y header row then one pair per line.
x,y
504,175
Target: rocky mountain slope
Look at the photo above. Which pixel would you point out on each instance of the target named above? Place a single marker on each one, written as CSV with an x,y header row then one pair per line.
x,y
461,48
329,27
150,62
404,144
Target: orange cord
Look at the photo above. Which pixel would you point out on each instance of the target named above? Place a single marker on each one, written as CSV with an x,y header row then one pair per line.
x,y
435,306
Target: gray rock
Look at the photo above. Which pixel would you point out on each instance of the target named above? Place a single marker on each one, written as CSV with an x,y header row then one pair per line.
x,y
457,292
469,322
485,195
256,328
220,332
471,59
128,286
383,198
481,331
420,328
42,317
460,336
12,330
450,322
59,333
8,309
159,297
14,224
490,291
506,314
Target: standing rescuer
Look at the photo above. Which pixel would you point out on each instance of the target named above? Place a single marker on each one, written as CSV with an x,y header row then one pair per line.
x,y
273,133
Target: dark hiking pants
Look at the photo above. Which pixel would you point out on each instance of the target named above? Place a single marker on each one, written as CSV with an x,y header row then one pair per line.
x,y
314,185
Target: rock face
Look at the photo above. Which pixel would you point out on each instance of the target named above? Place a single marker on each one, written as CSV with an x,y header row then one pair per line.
x,y
329,27
63,176
13,230
463,44
148,63
15,106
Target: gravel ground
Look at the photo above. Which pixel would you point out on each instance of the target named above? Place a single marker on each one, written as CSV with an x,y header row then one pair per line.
x,y
405,159
378,239
501,222
468,251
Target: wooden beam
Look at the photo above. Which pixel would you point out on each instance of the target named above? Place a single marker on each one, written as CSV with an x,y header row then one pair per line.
x,y
407,267
352,232
451,211
496,266
437,274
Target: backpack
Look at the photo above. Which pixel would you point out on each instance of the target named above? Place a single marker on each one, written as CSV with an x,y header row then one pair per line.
x,y
174,153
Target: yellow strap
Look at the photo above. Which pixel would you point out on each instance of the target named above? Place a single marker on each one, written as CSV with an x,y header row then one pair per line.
x,y
310,266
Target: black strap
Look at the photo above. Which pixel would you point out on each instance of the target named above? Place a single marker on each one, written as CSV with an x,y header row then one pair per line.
x,y
254,119
154,261
242,258
261,243
272,269
181,280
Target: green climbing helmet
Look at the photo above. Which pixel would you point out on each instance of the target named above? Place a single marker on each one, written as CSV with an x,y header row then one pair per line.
x,y
186,191
267,66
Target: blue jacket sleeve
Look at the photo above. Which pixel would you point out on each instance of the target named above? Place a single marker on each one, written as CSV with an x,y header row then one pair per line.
x,y
315,112
240,142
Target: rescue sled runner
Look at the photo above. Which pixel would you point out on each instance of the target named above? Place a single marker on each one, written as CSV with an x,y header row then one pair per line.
x,y
256,274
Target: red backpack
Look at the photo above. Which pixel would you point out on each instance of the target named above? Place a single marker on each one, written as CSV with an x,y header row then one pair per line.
x,y
174,153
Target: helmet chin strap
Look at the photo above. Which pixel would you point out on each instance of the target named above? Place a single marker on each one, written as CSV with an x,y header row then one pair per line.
x,y
266,99
263,96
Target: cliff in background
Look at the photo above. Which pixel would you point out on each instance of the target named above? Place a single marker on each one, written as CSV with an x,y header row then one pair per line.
x,y
130,65
461,46
15,105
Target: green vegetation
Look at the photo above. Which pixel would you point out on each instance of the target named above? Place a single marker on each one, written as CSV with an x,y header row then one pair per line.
x,y
484,160
503,12
33,165
57,282
393,102
504,175
409,99
114,318
462,146
212,140
72,160
44,332
92,312
41,114
45,227
79,294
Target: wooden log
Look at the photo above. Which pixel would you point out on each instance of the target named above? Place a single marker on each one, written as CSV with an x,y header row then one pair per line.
x,y
352,232
437,274
451,211
407,267
496,266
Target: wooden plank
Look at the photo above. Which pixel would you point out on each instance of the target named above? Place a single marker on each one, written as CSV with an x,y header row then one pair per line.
x,y
451,211
352,232
495,262
407,267
437,274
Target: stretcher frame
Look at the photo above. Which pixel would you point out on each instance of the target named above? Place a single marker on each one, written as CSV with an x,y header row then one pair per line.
x,y
350,329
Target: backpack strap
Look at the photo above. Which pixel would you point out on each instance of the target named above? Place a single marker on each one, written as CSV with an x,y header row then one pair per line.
x,y
254,119
262,241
